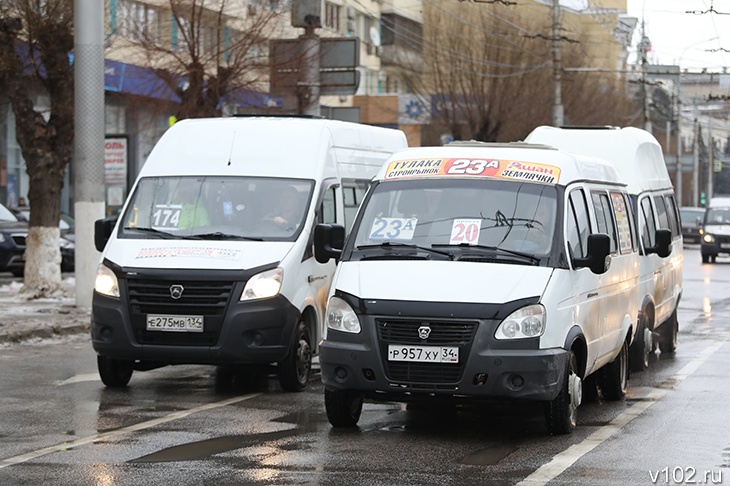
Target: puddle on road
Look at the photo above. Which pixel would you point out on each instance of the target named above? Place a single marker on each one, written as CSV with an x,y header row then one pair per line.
x,y
488,457
206,448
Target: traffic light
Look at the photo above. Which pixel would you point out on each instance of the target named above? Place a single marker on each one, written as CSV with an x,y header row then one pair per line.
x,y
703,199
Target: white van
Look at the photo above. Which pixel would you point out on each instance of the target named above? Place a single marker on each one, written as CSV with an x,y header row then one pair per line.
x,y
715,237
637,156
211,260
479,271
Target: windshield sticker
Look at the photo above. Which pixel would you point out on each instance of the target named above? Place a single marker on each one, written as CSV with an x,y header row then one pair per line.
x,y
393,228
166,216
465,231
504,169
176,252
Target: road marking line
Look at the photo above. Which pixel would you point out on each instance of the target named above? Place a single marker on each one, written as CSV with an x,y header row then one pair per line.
x,y
124,430
569,456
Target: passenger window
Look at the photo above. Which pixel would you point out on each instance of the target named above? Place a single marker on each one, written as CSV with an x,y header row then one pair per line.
x,y
673,216
328,209
578,224
623,225
353,192
648,223
604,219
661,211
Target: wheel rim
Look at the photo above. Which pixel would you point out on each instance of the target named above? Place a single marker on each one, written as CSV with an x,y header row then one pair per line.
x,y
304,360
648,346
575,392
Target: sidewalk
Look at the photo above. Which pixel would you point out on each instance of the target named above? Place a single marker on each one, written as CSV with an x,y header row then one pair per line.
x,y
21,320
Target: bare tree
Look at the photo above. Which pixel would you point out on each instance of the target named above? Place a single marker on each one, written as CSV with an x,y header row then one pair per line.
x,y
206,52
489,72
36,39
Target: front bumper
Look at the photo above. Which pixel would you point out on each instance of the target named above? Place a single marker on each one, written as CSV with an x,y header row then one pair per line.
x,y
487,368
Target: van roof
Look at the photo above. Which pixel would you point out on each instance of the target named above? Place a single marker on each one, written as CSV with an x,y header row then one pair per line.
x,y
514,161
719,202
262,145
634,152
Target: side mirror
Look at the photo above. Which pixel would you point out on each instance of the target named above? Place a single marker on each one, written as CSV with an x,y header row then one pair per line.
x,y
329,239
103,230
599,254
663,246
698,222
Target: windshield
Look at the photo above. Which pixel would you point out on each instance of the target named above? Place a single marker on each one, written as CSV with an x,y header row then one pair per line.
x,y
459,215
217,208
6,214
718,216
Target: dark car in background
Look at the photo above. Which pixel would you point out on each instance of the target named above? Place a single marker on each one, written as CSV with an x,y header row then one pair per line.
x,y
13,233
691,223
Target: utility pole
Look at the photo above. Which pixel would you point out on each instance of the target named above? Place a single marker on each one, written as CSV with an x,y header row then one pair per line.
x,y
88,157
696,157
558,111
644,91
710,159
308,89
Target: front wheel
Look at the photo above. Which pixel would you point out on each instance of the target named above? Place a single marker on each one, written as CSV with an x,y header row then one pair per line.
x,y
295,369
343,407
616,375
561,413
114,373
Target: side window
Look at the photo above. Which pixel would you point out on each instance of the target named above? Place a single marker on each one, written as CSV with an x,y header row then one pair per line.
x,y
673,216
623,222
661,212
648,224
353,192
604,219
328,210
630,203
578,224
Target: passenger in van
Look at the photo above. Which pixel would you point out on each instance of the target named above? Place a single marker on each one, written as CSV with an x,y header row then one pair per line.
x,y
193,213
288,210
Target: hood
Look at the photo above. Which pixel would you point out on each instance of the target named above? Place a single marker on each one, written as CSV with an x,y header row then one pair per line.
x,y
717,229
213,255
436,281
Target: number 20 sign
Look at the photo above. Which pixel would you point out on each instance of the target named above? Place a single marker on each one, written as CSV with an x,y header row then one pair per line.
x,y
465,231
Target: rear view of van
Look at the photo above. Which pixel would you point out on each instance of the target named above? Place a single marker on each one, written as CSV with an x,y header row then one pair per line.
x,y
638,158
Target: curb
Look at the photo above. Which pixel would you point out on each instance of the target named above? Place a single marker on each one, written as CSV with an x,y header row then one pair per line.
x,y
43,333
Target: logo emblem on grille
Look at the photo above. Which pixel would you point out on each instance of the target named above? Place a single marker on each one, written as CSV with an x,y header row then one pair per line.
x,y
176,291
424,332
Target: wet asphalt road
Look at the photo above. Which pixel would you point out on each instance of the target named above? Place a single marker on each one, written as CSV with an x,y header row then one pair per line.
x,y
177,425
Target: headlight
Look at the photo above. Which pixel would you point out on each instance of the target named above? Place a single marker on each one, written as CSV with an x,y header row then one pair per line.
x,y
523,323
2,237
708,238
263,285
106,282
341,317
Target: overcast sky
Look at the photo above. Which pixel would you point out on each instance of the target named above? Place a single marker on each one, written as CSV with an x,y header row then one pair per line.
x,y
678,37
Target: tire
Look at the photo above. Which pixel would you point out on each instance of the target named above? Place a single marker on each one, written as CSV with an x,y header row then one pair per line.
x,y
641,349
590,389
294,370
343,407
668,335
561,413
114,373
616,375
705,258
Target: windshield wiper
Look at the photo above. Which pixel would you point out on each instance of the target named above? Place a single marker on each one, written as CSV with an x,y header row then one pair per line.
x,y
154,231
390,245
466,246
217,235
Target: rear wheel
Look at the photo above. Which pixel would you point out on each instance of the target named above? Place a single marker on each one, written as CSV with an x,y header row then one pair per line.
x,y
295,369
668,335
641,349
343,407
561,413
616,375
114,373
